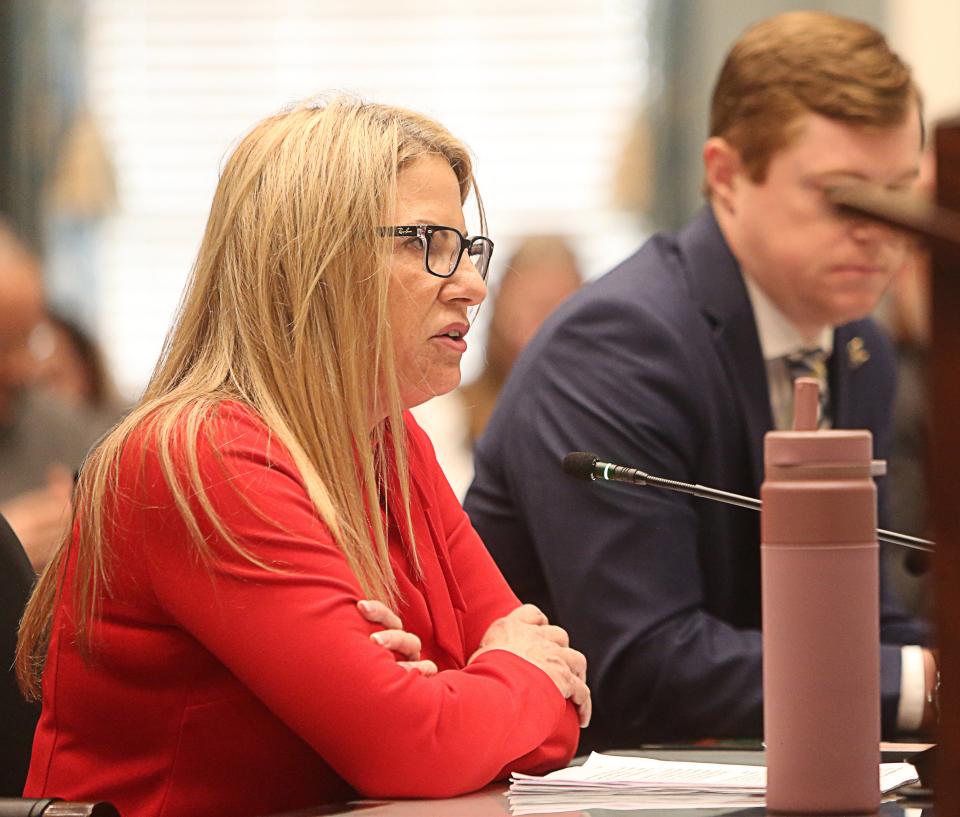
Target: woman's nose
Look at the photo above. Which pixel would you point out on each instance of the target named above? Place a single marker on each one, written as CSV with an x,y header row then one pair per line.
x,y
466,283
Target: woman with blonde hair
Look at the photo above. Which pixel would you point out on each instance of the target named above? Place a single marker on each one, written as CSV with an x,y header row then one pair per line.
x,y
221,634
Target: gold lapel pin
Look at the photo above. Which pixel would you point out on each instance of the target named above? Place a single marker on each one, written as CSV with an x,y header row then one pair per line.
x,y
857,353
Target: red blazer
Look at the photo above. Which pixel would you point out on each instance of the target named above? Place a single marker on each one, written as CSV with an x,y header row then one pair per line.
x,y
223,688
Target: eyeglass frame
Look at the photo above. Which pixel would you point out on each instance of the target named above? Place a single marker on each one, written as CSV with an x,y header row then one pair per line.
x,y
425,231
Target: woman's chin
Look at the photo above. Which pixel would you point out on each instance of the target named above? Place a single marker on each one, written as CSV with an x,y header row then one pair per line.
x,y
423,393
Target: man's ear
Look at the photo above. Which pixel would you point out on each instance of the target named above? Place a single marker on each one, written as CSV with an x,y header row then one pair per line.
x,y
722,168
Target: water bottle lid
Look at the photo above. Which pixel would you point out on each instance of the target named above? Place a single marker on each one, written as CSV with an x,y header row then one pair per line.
x,y
838,447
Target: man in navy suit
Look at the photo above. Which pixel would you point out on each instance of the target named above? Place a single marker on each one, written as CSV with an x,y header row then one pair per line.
x,y
679,361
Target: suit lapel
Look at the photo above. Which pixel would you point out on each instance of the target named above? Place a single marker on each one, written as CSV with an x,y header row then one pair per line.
x,y
716,283
847,365
438,586
740,347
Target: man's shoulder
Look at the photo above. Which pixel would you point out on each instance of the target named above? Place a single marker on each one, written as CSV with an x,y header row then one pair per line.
x,y
646,290
674,277
648,316
656,264
636,330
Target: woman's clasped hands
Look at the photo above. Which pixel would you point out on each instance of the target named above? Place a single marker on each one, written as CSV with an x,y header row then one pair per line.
x,y
528,633
394,638
525,631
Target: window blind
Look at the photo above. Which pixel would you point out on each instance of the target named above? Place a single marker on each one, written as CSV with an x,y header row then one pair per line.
x,y
543,91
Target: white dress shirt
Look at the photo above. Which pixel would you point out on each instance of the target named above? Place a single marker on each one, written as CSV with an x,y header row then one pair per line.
x,y
779,338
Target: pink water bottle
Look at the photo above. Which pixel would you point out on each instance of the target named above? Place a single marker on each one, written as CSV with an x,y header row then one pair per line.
x,y
821,631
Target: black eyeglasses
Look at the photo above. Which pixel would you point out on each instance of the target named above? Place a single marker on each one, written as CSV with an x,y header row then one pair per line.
x,y
443,247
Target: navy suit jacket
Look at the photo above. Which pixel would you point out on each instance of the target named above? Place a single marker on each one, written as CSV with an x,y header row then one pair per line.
x,y
658,365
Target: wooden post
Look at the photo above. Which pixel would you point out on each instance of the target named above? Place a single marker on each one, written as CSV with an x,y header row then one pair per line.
x,y
944,469
939,224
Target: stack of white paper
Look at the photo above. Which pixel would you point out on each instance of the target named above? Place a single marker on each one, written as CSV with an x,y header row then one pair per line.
x,y
619,782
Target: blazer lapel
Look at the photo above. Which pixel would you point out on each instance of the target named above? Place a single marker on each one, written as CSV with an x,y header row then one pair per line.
x,y
740,347
716,283
439,587
847,364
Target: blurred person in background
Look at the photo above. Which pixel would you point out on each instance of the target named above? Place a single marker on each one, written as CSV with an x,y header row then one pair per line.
x,y
542,272
42,439
247,536
71,367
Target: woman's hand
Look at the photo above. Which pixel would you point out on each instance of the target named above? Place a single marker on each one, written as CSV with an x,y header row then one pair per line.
x,y
527,632
405,645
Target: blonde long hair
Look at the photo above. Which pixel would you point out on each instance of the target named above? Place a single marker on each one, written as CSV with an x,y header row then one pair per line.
x,y
286,312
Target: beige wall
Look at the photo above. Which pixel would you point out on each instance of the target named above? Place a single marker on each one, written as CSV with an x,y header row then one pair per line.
x,y
927,35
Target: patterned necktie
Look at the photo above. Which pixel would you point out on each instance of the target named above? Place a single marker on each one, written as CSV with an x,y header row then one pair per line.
x,y
812,363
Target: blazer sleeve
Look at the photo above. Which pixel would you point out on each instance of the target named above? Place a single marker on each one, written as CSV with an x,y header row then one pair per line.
x,y
874,396
291,633
871,396
621,567
488,597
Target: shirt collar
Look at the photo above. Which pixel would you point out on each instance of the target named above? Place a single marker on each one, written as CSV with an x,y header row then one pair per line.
x,y
778,336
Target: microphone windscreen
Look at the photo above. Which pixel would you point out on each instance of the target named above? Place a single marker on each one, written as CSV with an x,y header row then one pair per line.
x,y
579,464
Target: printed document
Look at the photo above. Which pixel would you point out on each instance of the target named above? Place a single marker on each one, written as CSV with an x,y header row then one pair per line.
x,y
617,781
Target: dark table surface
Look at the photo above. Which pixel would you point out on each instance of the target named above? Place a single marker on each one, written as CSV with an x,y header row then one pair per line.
x,y
492,802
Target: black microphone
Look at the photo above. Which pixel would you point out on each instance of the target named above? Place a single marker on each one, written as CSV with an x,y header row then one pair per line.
x,y
582,465
53,807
